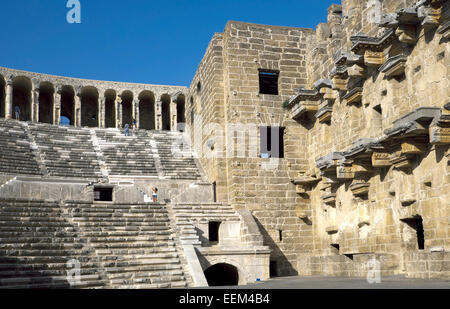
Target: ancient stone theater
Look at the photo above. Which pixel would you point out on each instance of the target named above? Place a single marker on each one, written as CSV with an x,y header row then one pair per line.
x,y
308,152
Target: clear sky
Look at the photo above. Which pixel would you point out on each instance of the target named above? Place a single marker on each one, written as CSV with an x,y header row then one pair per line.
x,y
142,41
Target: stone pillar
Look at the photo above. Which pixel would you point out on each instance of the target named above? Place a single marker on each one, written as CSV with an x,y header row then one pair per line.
x,y
57,107
101,112
173,114
34,103
119,112
158,115
116,112
136,111
77,117
9,100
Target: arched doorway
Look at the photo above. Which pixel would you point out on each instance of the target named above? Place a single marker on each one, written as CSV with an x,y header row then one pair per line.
x,y
165,111
181,113
110,109
127,108
2,97
89,107
22,98
222,275
68,104
46,101
147,110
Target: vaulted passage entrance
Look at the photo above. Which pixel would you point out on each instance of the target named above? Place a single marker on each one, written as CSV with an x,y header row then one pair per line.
x,y
147,111
165,111
127,108
67,105
181,113
110,109
46,101
22,98
89,107
222,275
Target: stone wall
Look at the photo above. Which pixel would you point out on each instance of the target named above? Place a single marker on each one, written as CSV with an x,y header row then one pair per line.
x,y
366,138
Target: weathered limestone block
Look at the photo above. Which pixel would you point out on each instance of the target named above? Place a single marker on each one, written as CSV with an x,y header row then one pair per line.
x,y
304,183
411,147
340,83
374,58
394,66
356,70
430,15
329,199
345,171
354,96
401,161
360,188
440,131
381,159
304,107
407,34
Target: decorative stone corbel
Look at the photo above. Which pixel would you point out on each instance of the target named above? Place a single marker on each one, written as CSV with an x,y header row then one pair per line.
x,y
394,66
381,159
374,58
354,96
407,34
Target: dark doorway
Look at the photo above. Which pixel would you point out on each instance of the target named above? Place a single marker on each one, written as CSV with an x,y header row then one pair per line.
x,y
181,114
273,269
416,224
127,108
110,109
68,104
271,142
215,191
222,275
22,98
213,231
103,194
89,107
46,102
165,111
147,111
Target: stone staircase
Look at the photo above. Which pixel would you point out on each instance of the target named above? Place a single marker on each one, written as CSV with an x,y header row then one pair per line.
x,y
16,153
66,152
133,243
36,242
186,215
177,159
126,155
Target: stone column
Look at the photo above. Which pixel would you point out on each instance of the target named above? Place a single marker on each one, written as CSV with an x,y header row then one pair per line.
x,y
9,100
57,106
173,114
119,112
116,112
77,118
136,112
34,103
101,109
158,114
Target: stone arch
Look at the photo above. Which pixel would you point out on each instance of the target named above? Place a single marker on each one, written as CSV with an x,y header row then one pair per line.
x,y
22,98
165,112
244,276
68,103
127,107
147,110
222,274
46,102
181,112
110,108
89,107
2,96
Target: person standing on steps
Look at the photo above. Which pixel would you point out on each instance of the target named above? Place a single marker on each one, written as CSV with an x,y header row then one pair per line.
x,y
127,130
134,126
155,194
17,110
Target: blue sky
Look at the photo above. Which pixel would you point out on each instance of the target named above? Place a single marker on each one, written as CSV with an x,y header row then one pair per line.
x,y
143,41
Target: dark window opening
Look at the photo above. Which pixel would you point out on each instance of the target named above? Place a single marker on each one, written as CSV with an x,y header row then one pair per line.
x,y
103,194
272,142
280,235
199,87
273,269
350,256
213,231
417,225
215,191
268,82
222,275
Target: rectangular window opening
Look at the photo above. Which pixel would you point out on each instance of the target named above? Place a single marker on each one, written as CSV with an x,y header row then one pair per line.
x,y
268,82
103,194
213,231
273,269
271,142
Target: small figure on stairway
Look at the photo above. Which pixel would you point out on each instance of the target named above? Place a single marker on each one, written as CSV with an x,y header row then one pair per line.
x,y
127,130
155,194
134,126
17,110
